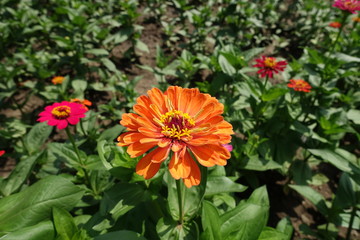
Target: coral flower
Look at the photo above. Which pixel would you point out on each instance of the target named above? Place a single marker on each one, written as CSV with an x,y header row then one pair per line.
x,y
347,5
62,114
84,102
335,24
180,121
268,66
57,80
2,152
299,85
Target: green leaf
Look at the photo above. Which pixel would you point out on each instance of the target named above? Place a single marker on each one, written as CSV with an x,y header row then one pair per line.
x,y
221,184
273,93
141,46
210,220
313,196
301,172
354,115
121,198
226,67
97,51
41,231
285,226
79,86
258,164
251,53
336,158
272,234
122,234
168,229
18,176
37,136
34,204
109,64
64,223
346,58
247,220
348,192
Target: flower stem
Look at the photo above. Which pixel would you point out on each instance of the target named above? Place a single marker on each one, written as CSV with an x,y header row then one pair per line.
x,y
352,217
180,200
82,164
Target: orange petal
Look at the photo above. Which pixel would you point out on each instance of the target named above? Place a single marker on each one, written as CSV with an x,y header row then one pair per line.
x,y
180,165
137,149
160,154
129,121
157,98
164,142
194,177
210,154
149,133
177,146
146,167
204,140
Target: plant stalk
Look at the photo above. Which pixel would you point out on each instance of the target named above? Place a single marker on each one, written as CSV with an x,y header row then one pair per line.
x,y
82,164
352,217
180,201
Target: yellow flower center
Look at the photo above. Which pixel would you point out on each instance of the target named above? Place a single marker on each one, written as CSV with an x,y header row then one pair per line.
x,y
61,112
269,62
176,124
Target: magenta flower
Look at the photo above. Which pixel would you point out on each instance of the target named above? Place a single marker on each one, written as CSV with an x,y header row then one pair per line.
x,y
62,114
269,65
229,147
2,152
347,5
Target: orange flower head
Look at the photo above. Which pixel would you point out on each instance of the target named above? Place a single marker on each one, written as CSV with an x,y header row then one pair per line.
x,y
57,80
335,24
180,121
299,85
84,102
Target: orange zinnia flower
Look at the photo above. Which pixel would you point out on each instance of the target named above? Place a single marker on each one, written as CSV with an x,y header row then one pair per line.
x,y
182,121
335,24
84,102
299,85
57,80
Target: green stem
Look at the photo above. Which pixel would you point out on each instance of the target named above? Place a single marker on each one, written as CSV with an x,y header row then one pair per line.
x,y
179,193
352,217
82,127
264,85
333,46
82,164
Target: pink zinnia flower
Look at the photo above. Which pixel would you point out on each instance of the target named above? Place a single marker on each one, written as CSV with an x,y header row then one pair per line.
x,y
268,66
2,152
62,114
347,5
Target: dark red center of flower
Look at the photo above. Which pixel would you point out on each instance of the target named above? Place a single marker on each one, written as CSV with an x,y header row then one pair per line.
x,y
176,124
61,112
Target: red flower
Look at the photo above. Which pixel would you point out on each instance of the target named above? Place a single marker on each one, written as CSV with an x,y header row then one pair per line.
x,y
268,66
84,102
2,152
182,121
62,114
299,85
347,5
335,24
